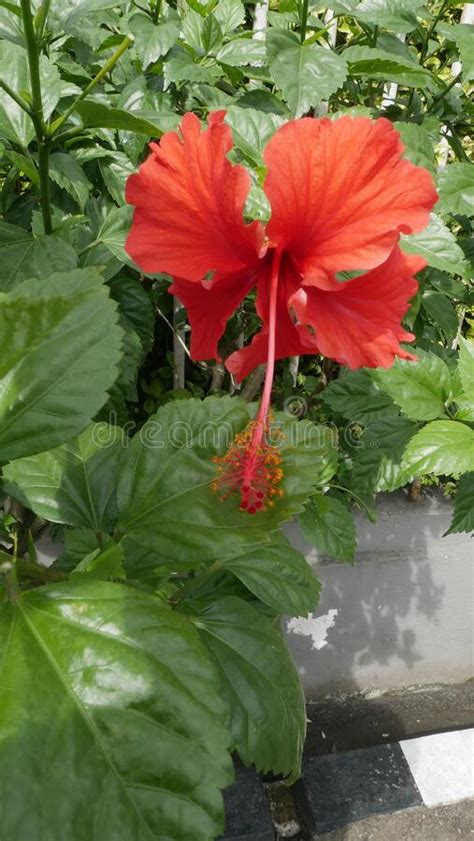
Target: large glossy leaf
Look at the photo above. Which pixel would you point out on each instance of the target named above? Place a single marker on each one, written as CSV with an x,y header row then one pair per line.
x,y
260,684
420,388
97,115
251,130
357,398
441,447
278,575
377,456
154,40
418,145
456,189
110,720
395,15
164,488
306,74
22,256
68,174
242,51
15,124
74,483
441,311
463,515
373,63
230,14
329,525
438,246
466,367
59,350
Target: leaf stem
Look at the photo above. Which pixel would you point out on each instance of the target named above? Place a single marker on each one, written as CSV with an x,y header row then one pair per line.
x,y
16,98
304,20
446,90
37,115
109,64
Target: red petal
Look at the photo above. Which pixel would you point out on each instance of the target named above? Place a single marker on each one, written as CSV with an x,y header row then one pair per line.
x,y
341,193
289,341
209,309
189,202
359,324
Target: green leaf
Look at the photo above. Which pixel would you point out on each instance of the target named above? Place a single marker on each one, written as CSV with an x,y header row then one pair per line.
x,y
373,63
305,74
278,575
394,15
329,525
418,145
136,306
251,130
230,14
24,164
441,310
441,447
22,256
463,37
103,563
181,67
115,171
456,189
420,388
69,175
97,115
240,52
15,124
259,683
463,515
164,488
377,455
203,34
438,246
466,367
74,483
59,352
357,397
152,41
137,750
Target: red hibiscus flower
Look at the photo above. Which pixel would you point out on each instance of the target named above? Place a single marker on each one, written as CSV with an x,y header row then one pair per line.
x,y
340,195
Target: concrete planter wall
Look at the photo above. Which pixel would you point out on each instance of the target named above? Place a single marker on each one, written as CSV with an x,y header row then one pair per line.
x,y
404,610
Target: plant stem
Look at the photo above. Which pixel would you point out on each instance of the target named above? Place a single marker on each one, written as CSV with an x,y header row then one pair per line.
x,y
109,64
304,20
446,90
37,114
156,11
16,98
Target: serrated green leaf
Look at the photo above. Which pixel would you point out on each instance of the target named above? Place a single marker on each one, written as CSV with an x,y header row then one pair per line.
x,y
466,368
420,388
395,15
438,246
152,41
230,14
456,189
463,514
115,171
259,683
103,563
240,52
305,74
15,124
59,353
23,164
68,174
74,483
181,67
462,33
135,305
441,310
139,745
278,575
22,255
329,525
251,130
377,455
357,398
164,488
373,63
418,145
441,447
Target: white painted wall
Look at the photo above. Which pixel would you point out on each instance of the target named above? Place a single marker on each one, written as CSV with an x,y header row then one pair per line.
x,y
404,610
